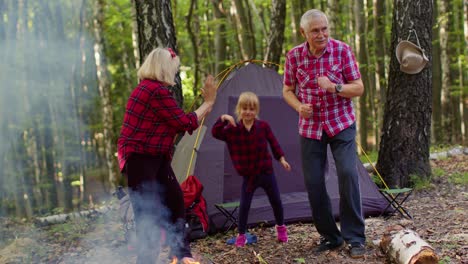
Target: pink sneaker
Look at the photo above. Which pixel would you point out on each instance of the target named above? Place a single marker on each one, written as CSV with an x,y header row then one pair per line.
x,y
282,233
241,240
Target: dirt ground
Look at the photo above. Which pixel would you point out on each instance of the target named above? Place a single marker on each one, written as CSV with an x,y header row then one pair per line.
x,y
439,211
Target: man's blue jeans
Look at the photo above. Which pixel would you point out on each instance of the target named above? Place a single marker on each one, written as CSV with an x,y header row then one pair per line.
x,y
314,158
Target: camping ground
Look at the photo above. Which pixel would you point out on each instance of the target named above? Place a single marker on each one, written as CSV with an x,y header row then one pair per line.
x,y
439,210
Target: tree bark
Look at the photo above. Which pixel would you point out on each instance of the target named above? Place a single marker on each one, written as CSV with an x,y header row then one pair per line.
x,y
457,71
465,92
246,35
404,246
220,35
192,27
447,112
104,92
379,31
332,11
155,28
404,148
437,129
276,35
297,10
364,111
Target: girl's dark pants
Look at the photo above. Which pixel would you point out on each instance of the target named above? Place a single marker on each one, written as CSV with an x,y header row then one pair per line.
x,y
268,183
314,159
158,202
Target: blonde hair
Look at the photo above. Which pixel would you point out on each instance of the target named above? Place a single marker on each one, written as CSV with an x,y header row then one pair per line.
x,y
308,16
160,65
247,99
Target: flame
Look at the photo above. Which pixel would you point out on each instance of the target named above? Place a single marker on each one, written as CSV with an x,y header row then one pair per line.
x,y
184,261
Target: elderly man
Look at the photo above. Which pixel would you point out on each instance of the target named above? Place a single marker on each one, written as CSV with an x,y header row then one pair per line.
x,y
320,78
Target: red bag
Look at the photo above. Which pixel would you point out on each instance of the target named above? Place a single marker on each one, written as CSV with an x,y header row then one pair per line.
x,y
194,201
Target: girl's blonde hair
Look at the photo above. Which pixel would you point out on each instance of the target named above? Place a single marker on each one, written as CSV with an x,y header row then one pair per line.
x,y
161,65
247,99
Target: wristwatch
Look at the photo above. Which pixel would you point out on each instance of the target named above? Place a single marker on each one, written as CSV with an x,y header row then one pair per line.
x,y
338,88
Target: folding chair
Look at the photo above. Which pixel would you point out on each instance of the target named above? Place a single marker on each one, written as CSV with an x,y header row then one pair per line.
x,y
229,211
391,195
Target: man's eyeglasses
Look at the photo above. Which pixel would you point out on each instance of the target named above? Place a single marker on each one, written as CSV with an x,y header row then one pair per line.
x,y
315,32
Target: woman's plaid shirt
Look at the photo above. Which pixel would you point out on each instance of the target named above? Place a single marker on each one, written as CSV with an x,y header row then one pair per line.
x,y
152,119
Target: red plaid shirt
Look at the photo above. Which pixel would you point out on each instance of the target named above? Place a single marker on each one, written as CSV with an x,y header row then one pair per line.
x,y
331,113
152,119
249,149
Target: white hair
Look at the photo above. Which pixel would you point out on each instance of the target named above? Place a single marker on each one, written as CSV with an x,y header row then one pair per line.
x,y
160,65
311,14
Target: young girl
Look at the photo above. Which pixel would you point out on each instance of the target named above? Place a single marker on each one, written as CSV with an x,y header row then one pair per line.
x,y
247,141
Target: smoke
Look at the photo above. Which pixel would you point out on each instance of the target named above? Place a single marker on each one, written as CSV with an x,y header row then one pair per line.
x,y
48,117
47,89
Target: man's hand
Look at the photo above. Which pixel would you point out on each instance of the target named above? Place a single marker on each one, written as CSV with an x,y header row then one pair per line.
x,y
304,110
325,83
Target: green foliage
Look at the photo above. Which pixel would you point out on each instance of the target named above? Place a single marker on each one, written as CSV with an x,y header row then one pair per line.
x,y
445,260
434,148
371,157
459,178
420,183
376,179
299,260
437,172
70,230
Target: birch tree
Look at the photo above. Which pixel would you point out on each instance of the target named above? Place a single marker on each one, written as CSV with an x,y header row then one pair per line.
x,y
155,28
104,92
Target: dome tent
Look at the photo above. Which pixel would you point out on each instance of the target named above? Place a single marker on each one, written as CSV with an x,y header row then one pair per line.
x,y
209,161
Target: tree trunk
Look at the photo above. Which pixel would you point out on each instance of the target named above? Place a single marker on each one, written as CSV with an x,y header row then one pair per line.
x,y
81,87
156,29
465,92
447,112
276,35
437,130
457,70
135,45
364,111
379,31
297,10
220,35
194,26
104,92
246,35
3,127
332,11
404,148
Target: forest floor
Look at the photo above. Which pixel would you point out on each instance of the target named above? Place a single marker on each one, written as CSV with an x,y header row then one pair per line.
x,y
440,211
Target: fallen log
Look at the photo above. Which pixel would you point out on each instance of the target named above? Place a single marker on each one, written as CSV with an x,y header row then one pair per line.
x,y
405,246
62,218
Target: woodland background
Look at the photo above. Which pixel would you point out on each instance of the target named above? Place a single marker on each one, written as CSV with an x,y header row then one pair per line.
x,y
67,68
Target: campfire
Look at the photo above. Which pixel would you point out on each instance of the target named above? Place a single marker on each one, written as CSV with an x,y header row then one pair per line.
x,y
185,261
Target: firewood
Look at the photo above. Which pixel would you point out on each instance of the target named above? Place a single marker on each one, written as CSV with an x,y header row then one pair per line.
x,y
405,246
61,218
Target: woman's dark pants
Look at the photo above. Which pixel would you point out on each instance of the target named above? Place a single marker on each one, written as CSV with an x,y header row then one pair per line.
x,y
158,203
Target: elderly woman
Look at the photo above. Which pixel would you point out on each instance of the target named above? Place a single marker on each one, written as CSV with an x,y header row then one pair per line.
x,y
152,120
